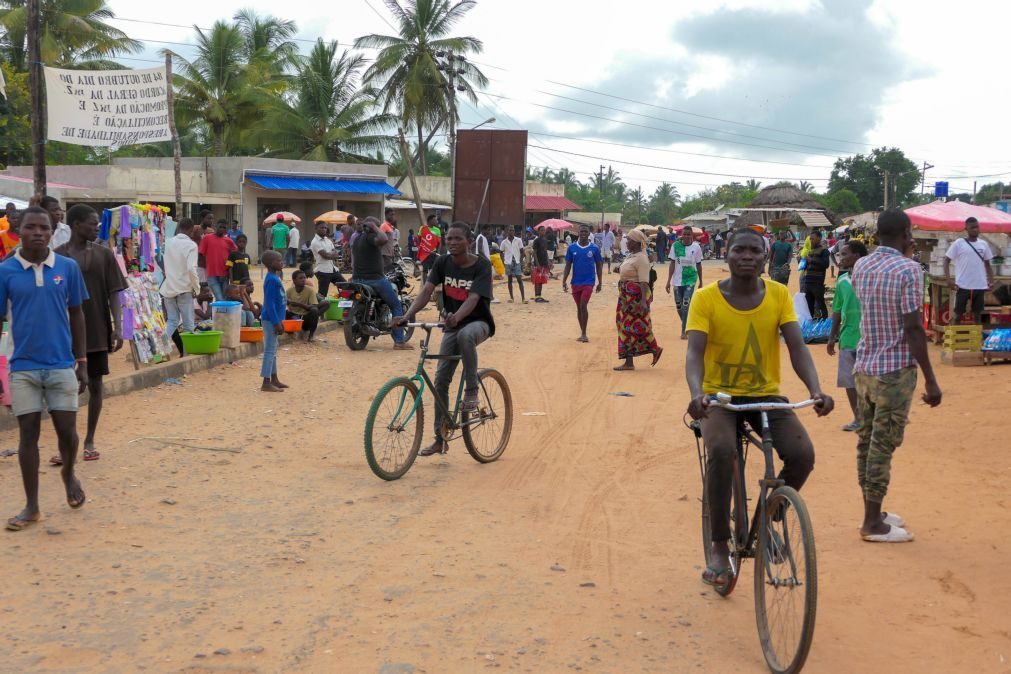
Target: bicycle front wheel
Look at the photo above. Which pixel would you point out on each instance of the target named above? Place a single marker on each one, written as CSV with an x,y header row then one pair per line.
x,y
786,582
486,432
393,428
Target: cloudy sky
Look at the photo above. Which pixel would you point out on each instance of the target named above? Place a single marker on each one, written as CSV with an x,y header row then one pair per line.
x,y
702,92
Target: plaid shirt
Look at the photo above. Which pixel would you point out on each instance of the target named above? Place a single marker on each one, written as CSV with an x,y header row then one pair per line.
x,y
888,286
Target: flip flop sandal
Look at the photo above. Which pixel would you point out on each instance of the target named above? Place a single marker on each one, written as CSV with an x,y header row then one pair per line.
x,y
894,520
56,461
714,579
91,455
894,535
850,427
18,524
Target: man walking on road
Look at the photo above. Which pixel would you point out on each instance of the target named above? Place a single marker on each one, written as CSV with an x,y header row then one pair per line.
x,y
182,281
41,293
482,247
587,265
779,259
103,314
973,273
512,257
893,342
607,246
684,274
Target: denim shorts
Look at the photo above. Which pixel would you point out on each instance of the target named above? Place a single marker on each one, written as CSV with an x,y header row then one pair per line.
x,y
514,269
35,390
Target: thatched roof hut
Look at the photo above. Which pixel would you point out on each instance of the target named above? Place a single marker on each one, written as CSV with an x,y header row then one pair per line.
x,y
785,199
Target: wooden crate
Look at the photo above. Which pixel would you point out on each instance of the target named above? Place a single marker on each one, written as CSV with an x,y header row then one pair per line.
x,y
990,356
963,337
961,358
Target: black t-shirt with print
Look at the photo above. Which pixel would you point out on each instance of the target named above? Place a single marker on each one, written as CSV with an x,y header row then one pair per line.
x,y
457,284
238,262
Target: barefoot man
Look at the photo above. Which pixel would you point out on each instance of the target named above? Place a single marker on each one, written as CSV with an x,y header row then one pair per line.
x,y
43,292
588,264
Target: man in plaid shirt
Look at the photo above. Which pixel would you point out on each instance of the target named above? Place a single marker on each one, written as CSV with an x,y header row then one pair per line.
x,y
893,342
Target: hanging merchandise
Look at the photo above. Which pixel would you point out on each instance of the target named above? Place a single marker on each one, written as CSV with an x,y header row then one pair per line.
x,y
137,232
144,320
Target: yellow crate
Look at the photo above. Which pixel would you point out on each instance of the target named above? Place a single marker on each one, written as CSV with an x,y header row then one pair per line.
x,y
963,331
963,337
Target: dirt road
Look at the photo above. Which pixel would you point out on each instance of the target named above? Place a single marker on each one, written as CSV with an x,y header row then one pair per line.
x,y
292,556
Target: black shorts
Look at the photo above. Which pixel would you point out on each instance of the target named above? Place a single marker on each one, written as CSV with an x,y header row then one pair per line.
x,y
964,297
98,364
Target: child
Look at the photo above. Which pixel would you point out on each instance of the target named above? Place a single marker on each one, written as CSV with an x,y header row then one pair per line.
x,y
271,317
202,308
307,269
237,293
846,325
304,303
248,289
238,261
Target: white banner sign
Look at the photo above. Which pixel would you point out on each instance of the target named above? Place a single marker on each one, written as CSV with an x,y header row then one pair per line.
x,y
108,108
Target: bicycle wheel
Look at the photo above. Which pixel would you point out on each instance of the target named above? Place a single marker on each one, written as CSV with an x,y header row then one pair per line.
x,y
738,527
392,436
487,439
786,582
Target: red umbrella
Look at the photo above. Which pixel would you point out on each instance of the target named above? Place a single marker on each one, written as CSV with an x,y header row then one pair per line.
x,y
285,215
951,216
555,224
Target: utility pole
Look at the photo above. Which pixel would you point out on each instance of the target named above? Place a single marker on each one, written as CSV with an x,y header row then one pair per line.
x,y
451,72
177,152
973,192
602,197
923,177
35,87
887,175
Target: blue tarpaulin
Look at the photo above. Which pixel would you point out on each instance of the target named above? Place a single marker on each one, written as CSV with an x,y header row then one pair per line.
x,y
317,184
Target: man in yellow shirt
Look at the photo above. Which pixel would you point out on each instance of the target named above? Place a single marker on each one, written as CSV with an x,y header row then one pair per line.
x,y
733,347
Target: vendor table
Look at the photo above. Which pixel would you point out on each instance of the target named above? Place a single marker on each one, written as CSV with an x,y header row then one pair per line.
x,y
940,311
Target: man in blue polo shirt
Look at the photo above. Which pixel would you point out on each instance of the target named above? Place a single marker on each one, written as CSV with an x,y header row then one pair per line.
x,y
48,368
583,258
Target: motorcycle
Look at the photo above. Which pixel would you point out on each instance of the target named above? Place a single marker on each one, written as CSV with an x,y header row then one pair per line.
x,y
366,315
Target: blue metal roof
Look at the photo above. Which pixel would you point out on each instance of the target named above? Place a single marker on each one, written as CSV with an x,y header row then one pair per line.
x,y
316,184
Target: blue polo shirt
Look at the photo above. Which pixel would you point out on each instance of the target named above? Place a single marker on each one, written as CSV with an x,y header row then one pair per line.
x,y
584,263
36,299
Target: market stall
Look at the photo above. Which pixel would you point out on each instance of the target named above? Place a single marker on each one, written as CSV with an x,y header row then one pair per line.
x,y
935,227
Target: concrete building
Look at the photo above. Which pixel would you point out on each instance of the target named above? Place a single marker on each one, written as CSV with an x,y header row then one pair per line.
x,y
242,188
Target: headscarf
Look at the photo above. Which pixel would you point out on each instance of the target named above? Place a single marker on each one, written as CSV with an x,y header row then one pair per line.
x,y
637,235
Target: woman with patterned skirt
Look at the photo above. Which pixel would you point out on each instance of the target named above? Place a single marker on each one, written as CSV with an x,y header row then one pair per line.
x,y
635,327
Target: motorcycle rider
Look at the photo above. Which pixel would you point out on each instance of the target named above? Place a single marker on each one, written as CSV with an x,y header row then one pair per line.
x,y
367,260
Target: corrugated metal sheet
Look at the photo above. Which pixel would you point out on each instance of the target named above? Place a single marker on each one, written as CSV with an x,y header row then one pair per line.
x,y
545,203
496,159
317,184
816,219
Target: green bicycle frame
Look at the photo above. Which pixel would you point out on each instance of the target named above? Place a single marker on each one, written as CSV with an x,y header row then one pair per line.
x,y
421,378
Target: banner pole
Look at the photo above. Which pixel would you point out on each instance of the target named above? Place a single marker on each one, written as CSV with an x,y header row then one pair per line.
x,y
176,148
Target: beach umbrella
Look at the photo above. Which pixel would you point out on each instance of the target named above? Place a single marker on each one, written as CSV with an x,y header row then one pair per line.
x,y
555,224
285,215
696,231
333,218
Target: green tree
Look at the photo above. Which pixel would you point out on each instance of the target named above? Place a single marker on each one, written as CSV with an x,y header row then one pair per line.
x,y
864,176
636,204
843,202
734,195
216,88
74,33
754,185
15,121
328,117
805,186
406,69
663,204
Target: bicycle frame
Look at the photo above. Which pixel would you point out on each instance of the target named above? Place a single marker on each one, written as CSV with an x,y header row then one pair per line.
x,y
421,378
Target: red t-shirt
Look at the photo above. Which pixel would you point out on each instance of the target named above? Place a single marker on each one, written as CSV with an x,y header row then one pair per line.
x,y
215,250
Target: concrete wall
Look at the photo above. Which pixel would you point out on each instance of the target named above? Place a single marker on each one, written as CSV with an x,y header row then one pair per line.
x,y
437,190
535,189
591,218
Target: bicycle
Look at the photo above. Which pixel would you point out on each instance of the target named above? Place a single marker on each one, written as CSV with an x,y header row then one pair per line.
x,y
398,410
779,537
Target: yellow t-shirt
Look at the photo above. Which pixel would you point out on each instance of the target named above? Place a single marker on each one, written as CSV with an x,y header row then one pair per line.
x,y
742,352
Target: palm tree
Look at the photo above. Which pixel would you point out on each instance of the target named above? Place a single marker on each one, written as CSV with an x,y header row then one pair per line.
x,y
753,185
637,203
564,176
805,186
665,202
329,117
406,66
74,33
268,42
215,88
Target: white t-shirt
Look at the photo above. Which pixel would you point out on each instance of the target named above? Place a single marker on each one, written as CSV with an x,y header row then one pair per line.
x,y
692,256
482,248
324,244
294,238
970,274
512,250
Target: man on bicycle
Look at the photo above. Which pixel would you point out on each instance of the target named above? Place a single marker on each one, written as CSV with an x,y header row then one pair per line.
x,y
733,347
466,288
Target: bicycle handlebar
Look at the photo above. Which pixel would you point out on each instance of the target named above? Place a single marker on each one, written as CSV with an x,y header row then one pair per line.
x,y
723,400
426,326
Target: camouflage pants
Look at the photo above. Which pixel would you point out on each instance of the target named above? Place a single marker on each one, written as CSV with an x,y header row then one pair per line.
x,y
883,409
